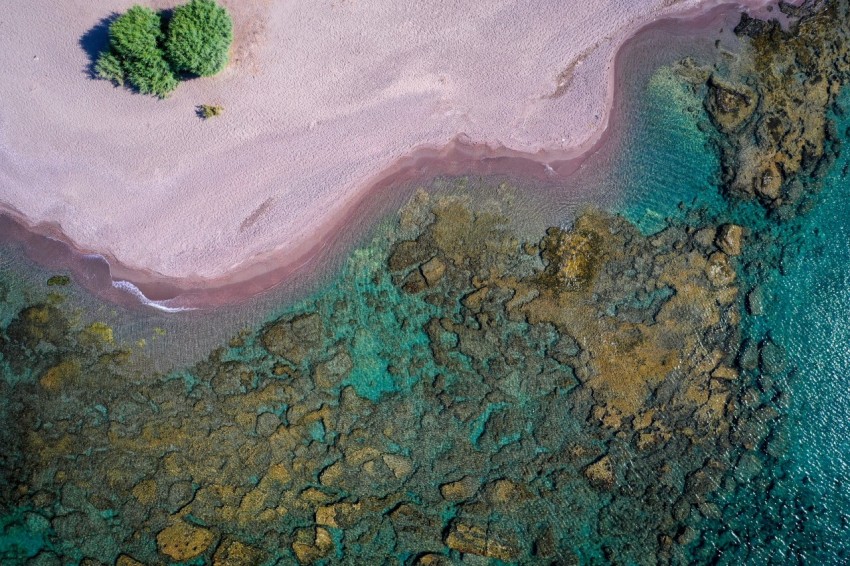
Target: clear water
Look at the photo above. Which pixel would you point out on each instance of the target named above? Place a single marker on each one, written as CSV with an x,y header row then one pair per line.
x,y
806,512
670,162
807,311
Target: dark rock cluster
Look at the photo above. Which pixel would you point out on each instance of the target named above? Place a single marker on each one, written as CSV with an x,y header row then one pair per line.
x,y
774,111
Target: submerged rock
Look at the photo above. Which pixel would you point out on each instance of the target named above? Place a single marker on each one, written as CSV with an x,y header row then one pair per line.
x,y
409,253
232,552
125,560
572,257
775,154
768,182
182,541
473,539
294,339
755,301
232,378
771,358
730,239
459,490
433,271
64,373
267,424
39,323
512,378
433,560
730,106
600,474
311,545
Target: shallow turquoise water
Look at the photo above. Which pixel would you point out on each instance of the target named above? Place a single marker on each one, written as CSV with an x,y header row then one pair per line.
x,y
669,161
806,512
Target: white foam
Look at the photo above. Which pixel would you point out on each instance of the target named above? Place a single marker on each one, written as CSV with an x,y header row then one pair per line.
x,y
159,305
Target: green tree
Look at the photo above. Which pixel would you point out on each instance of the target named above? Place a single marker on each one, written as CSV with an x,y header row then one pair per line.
x,y
136,34
199,37
135,54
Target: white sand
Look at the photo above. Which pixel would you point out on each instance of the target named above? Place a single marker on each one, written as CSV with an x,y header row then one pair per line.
x,y
321,97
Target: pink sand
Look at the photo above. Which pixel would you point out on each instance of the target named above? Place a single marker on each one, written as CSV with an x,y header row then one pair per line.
x,y
322,99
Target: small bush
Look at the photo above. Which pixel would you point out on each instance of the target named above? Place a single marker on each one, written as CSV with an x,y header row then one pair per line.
x,y
199,38
109,67
207,111
58,281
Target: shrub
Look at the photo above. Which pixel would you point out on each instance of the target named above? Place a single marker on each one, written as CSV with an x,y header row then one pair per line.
x,y
151,76
109,67
199,38
197,41
58,280
135,54
207,111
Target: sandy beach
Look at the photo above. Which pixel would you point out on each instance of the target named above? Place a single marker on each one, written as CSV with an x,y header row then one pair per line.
x,y
323,99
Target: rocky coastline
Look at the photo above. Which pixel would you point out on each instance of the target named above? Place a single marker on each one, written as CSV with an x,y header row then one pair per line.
x,y
462,394
595,370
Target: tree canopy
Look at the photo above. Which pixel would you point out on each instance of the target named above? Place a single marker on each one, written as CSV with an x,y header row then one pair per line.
x,y
152,54
135,54
199,38
136,34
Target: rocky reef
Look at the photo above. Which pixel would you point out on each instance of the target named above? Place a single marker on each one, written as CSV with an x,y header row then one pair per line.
x,y
773,107
458,393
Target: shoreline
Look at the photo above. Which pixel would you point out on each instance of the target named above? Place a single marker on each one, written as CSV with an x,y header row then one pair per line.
x,y
103,274
48,245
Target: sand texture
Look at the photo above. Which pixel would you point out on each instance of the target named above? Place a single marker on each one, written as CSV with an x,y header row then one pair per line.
x,y
321,99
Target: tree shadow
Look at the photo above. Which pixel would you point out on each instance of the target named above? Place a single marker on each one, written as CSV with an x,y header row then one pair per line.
x,y
96,41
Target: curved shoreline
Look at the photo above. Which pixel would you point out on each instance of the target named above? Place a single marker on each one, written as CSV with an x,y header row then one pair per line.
x,y
47,243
